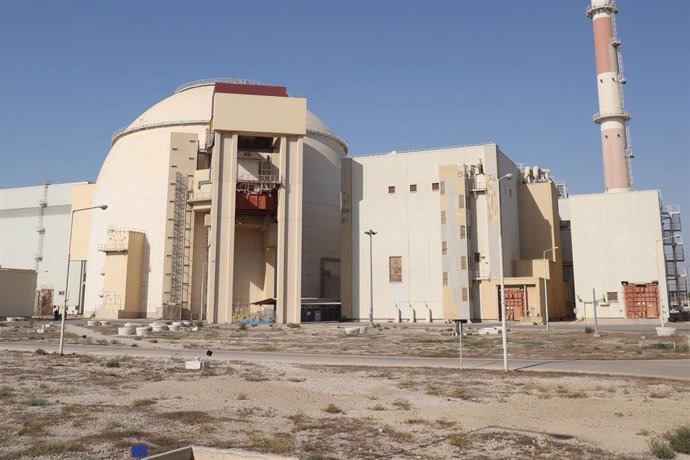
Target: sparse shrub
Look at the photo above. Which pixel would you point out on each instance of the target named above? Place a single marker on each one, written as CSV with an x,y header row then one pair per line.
x,y
134,345
459,440
315,457
153,341
588,330
40,351
402,404
53,448
400,436
378,407
143,402
35,401
293,325
661,449
6,392
432,390
114,342
113,362
332,409
416,421
407,384
679,439
242,397
280,444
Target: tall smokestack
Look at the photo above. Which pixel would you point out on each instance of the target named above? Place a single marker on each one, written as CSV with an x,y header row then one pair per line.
x,y
612,115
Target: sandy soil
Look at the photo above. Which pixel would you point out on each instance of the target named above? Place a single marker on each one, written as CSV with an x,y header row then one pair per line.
x,y
423,340
82,406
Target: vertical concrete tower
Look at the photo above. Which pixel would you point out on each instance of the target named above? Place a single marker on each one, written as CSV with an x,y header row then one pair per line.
x,y
612,115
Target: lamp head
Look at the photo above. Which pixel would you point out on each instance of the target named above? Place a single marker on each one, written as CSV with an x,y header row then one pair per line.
x,y
104,207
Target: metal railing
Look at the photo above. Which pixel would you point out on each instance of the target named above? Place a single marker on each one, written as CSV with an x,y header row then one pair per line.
x,y
591,10
329,135
212,81
433,149
614,114
112,247
145,126
264,178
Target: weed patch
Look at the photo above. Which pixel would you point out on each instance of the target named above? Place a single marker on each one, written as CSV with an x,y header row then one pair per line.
x,y
679,439
332,409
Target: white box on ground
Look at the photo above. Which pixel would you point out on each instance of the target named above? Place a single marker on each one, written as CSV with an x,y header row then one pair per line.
x,y
196,365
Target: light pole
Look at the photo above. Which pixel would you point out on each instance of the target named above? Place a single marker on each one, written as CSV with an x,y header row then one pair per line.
x,y
69,254
500,266
546,291
371,233
661,240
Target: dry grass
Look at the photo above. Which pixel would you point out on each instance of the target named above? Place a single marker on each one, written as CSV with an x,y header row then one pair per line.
x,y
332,409
280,443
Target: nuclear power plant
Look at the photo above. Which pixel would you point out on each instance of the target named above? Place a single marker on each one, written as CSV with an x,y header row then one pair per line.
x,y
231,200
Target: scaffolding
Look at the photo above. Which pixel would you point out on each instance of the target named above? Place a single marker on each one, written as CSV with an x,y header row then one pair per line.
x,y
180,242
674,255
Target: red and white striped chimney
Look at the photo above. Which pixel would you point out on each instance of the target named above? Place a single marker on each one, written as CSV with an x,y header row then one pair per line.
x,y
612,115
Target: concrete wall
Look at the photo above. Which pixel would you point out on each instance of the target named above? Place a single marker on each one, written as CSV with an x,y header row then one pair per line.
x,y
616,238
17,291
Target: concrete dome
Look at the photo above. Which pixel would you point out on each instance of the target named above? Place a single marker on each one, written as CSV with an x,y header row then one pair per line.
x,y
134,182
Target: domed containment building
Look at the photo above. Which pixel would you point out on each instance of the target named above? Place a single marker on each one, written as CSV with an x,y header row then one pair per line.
x,y
221,197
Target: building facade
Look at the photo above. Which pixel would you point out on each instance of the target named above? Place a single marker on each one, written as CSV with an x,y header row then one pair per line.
x,y
439,216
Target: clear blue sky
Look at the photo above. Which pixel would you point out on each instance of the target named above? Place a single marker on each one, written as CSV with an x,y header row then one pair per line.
x,y
385,75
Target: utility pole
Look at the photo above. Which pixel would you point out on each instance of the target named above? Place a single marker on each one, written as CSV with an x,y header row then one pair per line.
x,y
371,233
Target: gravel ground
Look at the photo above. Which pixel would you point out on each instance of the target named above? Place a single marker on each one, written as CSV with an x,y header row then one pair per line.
x,y
82,406
420,339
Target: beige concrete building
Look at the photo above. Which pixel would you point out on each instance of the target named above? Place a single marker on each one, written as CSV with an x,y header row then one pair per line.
x,y
221,197
17,292
438,217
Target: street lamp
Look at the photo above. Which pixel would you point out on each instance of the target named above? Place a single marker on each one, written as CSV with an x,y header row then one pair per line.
x,y
371,233
661,240
500,265
69,254
546,291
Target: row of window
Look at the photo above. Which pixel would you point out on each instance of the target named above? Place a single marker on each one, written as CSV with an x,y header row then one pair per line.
x,y
413,188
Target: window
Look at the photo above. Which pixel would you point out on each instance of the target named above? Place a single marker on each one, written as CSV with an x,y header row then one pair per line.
x,y
612,296
463,263
445,278
265,168
413,187
443,217
444,248
465,296
565,225
461,201
463,232
391,189
434,186
395,269
477,257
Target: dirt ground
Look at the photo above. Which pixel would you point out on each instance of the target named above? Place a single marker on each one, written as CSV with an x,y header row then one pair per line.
x,y
83,406
421,340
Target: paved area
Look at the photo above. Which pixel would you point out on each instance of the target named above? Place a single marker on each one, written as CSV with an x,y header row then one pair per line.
x,y
675,369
